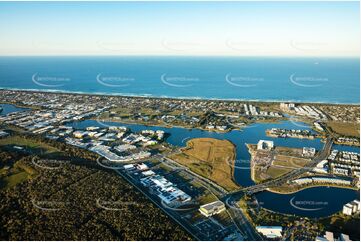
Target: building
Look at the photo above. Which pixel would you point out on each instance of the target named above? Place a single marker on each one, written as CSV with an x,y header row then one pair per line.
x,y
79,134
351,208
327,237
265,145
287,106
322,180
173,196
212,208
92,128
129,167
344,237
142,167
164,189
270,232
148,173
355,206
125,147
321,167
347,209
308,152
318,126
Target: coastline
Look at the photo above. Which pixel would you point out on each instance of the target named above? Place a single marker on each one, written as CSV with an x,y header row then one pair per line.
x,y
130,95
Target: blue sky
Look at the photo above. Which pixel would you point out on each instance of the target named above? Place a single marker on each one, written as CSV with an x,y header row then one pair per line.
x,y
180,28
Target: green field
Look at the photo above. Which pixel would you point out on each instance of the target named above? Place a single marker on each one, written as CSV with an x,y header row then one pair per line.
x,y
28,144
15,171
13,179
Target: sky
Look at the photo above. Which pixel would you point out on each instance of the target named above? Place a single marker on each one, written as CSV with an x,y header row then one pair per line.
x,y
180,28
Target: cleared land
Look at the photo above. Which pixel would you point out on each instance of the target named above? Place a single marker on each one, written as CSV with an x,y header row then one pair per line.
x,y
272,164
345,129
28,144
13,170
289,161
211,158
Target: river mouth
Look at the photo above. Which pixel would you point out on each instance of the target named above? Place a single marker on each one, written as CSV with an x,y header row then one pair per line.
x,y
311,202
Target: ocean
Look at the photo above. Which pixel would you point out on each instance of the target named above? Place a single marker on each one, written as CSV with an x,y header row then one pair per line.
x,y
326,80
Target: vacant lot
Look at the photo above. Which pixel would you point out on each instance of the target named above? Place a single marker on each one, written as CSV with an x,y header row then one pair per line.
x,y
270,165
345,129
289,161
211,158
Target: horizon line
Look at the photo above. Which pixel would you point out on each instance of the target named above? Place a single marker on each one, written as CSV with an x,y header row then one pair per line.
x,y
235,56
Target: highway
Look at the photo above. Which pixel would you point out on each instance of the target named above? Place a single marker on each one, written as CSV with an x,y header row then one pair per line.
x,y
242,223
212,187
231,199
169,212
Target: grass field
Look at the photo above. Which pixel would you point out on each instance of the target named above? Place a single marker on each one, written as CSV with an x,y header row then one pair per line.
x,y
289,161
207,198
28,144
13,179
345,129
17,173
210,158
275,172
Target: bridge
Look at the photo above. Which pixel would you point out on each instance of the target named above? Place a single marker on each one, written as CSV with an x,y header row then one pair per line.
x,y
321,155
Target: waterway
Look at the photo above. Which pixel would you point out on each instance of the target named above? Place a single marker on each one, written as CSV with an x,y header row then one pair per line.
x,y
311,202
9,108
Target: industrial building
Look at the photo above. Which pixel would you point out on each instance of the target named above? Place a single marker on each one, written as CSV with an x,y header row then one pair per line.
x,y
213,208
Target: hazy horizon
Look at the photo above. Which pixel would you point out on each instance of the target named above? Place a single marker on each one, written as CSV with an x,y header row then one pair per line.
x,y
279,29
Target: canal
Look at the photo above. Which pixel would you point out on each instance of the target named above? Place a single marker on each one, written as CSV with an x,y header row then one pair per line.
x,y
311,202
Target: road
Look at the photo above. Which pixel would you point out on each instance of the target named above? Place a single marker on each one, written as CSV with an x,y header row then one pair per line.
x,y
215,189
231,199
169,212
321,155
212,186
240,219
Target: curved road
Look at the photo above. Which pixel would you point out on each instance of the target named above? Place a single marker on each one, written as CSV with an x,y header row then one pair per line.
x,y
231,199
321,155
